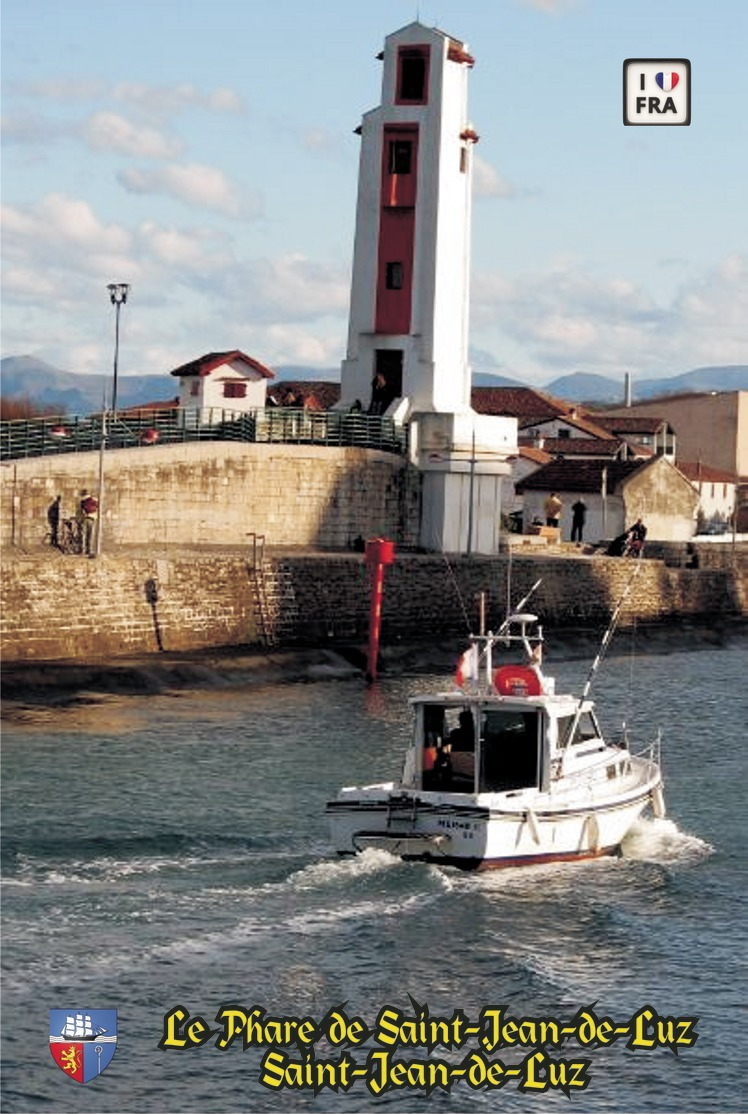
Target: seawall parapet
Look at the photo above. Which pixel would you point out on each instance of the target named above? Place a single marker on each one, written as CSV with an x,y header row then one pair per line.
x,y
65,608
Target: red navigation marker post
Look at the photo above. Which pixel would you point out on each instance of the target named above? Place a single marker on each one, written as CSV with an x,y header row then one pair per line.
x,y
379,552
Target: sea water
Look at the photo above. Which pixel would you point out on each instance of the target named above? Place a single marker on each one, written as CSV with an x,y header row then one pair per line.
x,y
171,851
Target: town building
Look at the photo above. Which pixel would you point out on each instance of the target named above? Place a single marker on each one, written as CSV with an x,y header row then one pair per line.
x,y
221,384
615,494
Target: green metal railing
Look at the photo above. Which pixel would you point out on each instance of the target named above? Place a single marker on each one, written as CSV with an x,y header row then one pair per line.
x,y
50,436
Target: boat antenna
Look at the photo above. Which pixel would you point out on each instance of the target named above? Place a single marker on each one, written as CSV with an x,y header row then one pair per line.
x,y
606,640
512,611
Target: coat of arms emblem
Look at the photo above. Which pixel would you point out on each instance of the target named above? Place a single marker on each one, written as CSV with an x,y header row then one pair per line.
x,y
82,1042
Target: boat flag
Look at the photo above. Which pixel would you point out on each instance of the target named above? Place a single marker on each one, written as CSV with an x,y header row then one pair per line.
x,y
467,667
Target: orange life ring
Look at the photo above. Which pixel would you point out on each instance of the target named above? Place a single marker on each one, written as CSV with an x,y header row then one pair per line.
x,y
517,680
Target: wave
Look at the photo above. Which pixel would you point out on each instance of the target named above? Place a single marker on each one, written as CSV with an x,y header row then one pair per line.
x,y
660,840
95,862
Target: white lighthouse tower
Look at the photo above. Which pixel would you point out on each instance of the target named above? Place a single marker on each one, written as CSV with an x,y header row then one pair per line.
x,y
409,316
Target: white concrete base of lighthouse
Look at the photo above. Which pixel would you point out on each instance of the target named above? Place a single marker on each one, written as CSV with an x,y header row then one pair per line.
x,y
463,458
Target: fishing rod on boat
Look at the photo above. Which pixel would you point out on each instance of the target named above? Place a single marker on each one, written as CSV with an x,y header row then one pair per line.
x,y
605,642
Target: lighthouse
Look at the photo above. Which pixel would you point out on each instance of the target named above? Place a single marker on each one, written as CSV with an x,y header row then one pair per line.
x,y
408,333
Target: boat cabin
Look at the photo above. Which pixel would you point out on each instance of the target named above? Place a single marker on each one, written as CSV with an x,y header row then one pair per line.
x,y
499,745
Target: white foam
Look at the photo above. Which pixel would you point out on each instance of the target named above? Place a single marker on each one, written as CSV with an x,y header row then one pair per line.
x,y
660,840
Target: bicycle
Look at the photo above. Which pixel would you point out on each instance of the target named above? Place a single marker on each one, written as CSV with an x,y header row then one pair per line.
x,y
69,538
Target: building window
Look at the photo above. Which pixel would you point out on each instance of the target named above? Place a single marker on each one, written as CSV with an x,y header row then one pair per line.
x,y
400,156
563,433
195,388
412,75
394,278
234,388
463,160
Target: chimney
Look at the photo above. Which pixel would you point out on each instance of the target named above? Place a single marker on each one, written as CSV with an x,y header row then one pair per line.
x,y
627,388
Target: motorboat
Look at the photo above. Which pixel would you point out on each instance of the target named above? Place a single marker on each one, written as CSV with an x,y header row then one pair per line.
x,y
502,770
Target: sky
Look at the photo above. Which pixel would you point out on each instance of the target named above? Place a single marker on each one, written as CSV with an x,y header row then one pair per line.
x,y
205,153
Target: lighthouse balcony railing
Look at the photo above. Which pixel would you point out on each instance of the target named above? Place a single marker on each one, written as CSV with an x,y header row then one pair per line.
x,y
153,427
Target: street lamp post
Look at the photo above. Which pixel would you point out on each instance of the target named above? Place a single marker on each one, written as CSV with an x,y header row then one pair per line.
x,y
118,292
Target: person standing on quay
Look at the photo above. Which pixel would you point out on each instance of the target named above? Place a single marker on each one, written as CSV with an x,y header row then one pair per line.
x,y
578,516
53,518
552,507
87,514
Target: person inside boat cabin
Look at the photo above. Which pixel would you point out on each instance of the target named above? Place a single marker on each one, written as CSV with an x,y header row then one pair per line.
x,y
463,736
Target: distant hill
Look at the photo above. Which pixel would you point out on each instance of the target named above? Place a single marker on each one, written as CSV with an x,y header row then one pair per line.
x,y
582,387
82,394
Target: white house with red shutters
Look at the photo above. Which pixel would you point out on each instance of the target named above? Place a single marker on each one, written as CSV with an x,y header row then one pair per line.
x,y
221,385
407,353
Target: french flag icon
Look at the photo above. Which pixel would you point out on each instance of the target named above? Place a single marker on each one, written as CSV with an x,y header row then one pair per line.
x,y
666,81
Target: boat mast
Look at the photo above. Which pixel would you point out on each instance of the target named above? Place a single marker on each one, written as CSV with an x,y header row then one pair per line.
x,y
606,639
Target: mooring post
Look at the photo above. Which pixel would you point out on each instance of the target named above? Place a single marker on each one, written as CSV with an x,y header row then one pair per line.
x,y
379,552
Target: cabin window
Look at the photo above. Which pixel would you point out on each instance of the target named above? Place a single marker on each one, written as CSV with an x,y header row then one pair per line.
x,y
587,728
509,750
448,760
234,388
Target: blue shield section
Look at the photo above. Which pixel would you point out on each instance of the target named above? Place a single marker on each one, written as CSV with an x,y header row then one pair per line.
x,y
93,1035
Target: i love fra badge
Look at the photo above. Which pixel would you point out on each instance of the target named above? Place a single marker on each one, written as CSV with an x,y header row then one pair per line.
x,y
82,1042
657,91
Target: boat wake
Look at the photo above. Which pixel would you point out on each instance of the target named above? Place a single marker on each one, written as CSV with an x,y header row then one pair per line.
x,y
660,840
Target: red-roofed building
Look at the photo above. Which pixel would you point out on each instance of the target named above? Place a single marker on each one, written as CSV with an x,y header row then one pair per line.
x,y
615,494
717,495
221,385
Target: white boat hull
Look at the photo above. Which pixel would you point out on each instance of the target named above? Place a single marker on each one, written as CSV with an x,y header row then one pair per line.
x,y
482,831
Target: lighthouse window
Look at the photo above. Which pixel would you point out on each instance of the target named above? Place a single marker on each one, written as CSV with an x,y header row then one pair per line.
x,y
394,276
412,76
400,156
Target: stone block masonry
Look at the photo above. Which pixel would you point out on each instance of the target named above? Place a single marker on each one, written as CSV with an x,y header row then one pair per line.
x,y
62,608
215,493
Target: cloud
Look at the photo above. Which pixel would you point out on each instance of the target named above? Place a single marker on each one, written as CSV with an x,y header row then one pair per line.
x,y
108,131
196,185
571,317
167,100
552,7
487,182
292,288
59,222
35,128
201,251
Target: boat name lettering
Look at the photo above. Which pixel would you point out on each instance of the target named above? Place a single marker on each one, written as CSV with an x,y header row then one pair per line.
x,y
463,825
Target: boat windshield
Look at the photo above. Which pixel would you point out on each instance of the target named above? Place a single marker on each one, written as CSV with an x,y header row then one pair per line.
x,y
510,752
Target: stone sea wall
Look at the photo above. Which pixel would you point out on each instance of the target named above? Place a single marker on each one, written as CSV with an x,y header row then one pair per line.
x,y
216,493
67,608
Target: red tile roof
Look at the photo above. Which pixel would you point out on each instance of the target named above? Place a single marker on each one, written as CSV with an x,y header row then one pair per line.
x,y
205,364
629,423
697,472
579,475
578,446
523,403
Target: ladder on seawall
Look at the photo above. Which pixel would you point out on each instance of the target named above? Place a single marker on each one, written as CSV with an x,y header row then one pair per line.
x,y
273,596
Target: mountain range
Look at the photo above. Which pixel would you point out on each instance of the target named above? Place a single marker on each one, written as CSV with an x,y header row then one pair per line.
x,y
49,386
